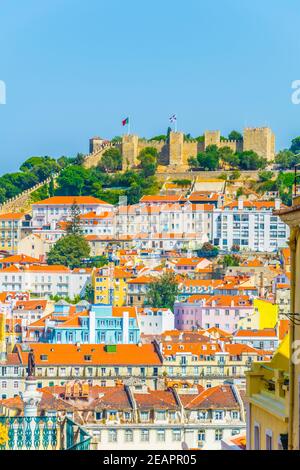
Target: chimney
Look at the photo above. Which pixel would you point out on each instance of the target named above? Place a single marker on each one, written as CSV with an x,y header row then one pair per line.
x,y
125,328
92,327
277,204
240,203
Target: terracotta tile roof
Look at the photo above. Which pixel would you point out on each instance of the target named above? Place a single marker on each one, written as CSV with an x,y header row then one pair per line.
x,y
31,304
203,348
203,196
12,216
156,399
218,397
155,199
20,259
70,200
126,354
267,332
118,311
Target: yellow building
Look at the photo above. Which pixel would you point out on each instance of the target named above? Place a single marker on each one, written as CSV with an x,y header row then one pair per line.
x,y
265,315
110,285
291,216
268,401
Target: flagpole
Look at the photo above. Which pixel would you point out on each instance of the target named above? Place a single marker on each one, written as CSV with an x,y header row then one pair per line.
x,y
175,122
128,127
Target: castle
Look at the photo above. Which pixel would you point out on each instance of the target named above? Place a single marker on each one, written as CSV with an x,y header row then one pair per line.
x,y
176,151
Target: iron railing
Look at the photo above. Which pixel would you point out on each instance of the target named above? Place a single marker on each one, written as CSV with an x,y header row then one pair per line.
x,y
43,433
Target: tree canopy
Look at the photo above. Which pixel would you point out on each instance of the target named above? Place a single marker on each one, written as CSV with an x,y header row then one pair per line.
x,y
69,251
163,292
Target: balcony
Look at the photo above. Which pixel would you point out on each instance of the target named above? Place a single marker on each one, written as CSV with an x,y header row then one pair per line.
x,y
43,433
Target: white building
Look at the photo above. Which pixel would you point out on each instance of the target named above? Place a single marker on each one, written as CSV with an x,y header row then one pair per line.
x,y
49,212
155,321
45,281
251,225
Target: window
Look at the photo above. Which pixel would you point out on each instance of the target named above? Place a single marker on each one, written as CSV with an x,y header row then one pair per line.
x,y
201,435
161,415
161,435
98,415
144,435
218,414
235,415
176,435
268,440
128,435
256,437
219,434
144,416
112,435
201,414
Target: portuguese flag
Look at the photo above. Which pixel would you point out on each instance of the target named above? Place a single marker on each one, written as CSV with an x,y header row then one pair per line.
x,y
125,121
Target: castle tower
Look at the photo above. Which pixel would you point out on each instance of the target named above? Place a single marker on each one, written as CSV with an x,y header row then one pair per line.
x,y
261,140
130,150
212,138
176,148
95,144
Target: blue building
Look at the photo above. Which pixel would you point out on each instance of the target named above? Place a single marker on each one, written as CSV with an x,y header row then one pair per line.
x,y
99,324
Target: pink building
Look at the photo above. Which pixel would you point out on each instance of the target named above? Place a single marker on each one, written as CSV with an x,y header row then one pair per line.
x,y
220,311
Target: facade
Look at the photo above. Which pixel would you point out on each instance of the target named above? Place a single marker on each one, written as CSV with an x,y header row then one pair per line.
x,y
133,418
102,324
291,216
49,212
266,339
45,281
12,228
268,402
96,363
251,225
110,285
201,311
155,321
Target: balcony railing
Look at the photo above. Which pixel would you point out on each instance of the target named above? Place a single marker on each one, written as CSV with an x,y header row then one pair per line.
x,y
43,433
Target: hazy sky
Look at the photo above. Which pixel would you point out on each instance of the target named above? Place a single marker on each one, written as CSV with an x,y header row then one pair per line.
x,y
75,68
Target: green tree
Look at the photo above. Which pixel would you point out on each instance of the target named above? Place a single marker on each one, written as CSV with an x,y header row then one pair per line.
x,y
72,180
79,159
265,175
148,161
209,159
208,251
234,175
74,225
111,160
69,251
163,292
249,160
230,260
51,189
295,146
286,159
193,163
235,135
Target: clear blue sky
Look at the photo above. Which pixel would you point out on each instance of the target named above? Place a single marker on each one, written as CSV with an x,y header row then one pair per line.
x,y
75,68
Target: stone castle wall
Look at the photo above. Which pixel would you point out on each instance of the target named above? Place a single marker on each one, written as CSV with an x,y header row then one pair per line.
x,y
177,151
